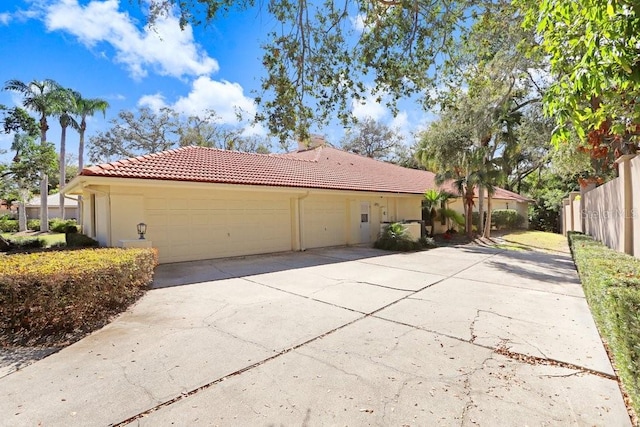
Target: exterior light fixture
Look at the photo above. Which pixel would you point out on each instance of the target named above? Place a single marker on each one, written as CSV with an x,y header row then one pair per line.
x,y
142,230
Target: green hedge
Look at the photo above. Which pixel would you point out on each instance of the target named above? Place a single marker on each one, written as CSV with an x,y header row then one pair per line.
x,y
502,219
611,282
48,297
56,225
9,225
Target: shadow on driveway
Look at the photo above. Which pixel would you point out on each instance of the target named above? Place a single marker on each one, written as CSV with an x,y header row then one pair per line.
x,y
188,273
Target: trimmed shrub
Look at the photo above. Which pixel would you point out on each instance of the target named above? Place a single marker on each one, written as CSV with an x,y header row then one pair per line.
x,y
33,224
27,243
395,238
77,240
58,225
611,282
51,297
9,226
506,218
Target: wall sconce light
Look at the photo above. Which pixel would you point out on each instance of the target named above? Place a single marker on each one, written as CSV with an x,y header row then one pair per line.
x,y
142,230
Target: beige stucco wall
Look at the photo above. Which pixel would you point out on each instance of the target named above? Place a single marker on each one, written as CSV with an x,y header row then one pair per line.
x,y
604,214
334,218
33,212
577,214
634,166
189,222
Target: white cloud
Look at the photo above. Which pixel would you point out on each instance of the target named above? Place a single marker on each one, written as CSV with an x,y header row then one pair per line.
x,y
155,102
401,121
165,48
358,22
5,17
368,107
223,97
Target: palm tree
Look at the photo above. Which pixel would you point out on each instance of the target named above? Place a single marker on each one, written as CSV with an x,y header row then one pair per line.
x,y
465,179
43,97
86,107
65,113
432,200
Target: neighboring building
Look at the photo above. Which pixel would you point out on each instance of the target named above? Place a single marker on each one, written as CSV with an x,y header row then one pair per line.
x,y
201,203
53,206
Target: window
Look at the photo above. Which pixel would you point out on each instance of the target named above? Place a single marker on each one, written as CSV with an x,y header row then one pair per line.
x,y
364,217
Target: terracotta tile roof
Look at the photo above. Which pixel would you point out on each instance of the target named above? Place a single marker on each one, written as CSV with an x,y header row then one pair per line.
x,y
322,167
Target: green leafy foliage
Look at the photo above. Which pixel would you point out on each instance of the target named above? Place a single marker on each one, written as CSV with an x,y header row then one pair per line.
x,y
78,240
593,51
506,219
51,297
394,237
8,225
611,281
59,225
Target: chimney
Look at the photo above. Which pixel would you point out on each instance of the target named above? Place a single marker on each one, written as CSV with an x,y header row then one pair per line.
x,y
313,141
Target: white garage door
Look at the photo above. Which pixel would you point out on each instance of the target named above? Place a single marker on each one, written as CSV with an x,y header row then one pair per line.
x,y
325,223
200,227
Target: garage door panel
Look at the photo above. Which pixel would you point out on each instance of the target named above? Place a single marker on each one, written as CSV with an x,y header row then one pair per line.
x,y
325,223
199,227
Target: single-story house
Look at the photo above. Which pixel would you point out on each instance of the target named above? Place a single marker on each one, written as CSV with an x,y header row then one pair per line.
x,y
53,207
201,203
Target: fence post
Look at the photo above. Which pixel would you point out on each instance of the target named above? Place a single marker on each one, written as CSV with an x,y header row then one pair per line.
x,y
566,217
624,174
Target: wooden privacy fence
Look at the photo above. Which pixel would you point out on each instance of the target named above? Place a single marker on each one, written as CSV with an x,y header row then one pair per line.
x,y
610,212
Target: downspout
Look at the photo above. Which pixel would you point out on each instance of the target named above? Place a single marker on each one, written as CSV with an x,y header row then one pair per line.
x,y
301,222
108,195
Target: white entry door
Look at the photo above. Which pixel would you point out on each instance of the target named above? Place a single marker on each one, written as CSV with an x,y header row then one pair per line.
x,y
365,222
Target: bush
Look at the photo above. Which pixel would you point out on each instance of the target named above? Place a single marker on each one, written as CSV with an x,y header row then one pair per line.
x,y
395,238
33,224
501,219
58,225
9,226
27,243
611,282
50,297
506,218
77,240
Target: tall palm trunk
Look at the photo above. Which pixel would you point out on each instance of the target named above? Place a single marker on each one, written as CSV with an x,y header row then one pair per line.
x,y
83,128
480,209
44,180
469,216
487,226
63,174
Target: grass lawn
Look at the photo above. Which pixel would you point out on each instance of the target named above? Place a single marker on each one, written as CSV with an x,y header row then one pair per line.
x,y
49,238
535,240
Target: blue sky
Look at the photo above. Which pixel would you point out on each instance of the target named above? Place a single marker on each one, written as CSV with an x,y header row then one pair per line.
x,y
103,49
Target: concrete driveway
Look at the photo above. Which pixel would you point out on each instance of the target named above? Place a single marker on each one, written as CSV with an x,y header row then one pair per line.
x,y
346,336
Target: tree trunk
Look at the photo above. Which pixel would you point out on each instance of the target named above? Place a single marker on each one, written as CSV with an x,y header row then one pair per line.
x,y
480,209
44,180
469,216
83,127
487,227
44,206
62,161
22,216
